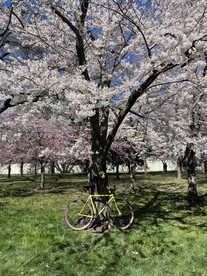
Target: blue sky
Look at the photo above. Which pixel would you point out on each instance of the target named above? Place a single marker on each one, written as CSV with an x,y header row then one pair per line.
x,y
7,2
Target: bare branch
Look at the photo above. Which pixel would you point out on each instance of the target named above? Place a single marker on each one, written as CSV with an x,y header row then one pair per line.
x,y
64,18
79,39
8,23
122,13
84,9
18,18
8,103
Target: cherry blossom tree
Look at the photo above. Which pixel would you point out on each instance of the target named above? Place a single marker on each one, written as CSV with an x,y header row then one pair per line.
x,y
40,141
96,61
178,124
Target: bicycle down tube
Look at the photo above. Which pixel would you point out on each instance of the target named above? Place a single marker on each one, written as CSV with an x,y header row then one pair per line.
x,y
91,201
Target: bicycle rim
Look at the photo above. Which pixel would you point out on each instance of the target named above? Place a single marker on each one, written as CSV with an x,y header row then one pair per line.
x,y
75,219
125,218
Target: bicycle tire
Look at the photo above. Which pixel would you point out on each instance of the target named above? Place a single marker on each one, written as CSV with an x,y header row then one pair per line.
x,y
125,219
76,221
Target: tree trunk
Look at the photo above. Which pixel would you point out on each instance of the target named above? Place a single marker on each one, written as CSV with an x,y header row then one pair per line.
x,y
97,165
203,161
97,174
117,171
42,182
145,165
179,167
9,170
132,170
22,169
164,164
35,169
191,173
132,175
205,165
129,167
52,167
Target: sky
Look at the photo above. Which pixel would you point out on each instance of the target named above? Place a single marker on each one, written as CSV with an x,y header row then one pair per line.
x,y
6,2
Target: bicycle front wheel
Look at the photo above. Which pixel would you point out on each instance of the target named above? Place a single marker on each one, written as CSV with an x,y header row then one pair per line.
x,y
79,215
121,217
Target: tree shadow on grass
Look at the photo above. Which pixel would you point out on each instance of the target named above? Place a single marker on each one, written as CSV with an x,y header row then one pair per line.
x,y
152,202
26,192
171,206
17,192
3,204
28,186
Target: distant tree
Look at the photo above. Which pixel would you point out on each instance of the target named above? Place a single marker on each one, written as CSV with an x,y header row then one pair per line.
x,y
39,141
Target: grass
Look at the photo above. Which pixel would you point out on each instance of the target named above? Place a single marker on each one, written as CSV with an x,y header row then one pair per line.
x,y
168,236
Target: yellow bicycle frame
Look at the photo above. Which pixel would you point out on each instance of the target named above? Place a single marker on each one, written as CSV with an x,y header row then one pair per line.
x,y
90,200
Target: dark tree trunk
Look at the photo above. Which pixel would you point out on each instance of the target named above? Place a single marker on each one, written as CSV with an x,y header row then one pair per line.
x,y
132,170
164,167
9,170
42,173
52,168
179,167
33,168
97,166
22,169
117,171
203,161
129,167
132,175
191,171
145,165
97,174
205,165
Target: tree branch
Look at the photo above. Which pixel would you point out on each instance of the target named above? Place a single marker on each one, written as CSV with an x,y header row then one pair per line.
x,y
6,32
131,101
8,102
84,9
64,19
6,105
79,39
122,13
18,18
8,23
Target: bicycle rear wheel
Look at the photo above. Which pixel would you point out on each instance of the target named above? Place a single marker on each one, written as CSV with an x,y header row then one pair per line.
x,y
125,218
79,215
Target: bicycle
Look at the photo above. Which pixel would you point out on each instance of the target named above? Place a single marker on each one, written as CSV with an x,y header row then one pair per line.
x,y
80,214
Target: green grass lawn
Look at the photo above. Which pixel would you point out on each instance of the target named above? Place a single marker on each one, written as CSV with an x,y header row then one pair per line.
x,y
168,236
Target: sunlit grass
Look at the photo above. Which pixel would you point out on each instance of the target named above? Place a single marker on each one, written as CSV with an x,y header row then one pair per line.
x,y
167,238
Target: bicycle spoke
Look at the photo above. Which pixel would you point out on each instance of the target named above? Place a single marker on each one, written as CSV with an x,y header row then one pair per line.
x,y
122,219
78,215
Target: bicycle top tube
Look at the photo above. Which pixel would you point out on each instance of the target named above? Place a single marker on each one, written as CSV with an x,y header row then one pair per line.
x,y
96,195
